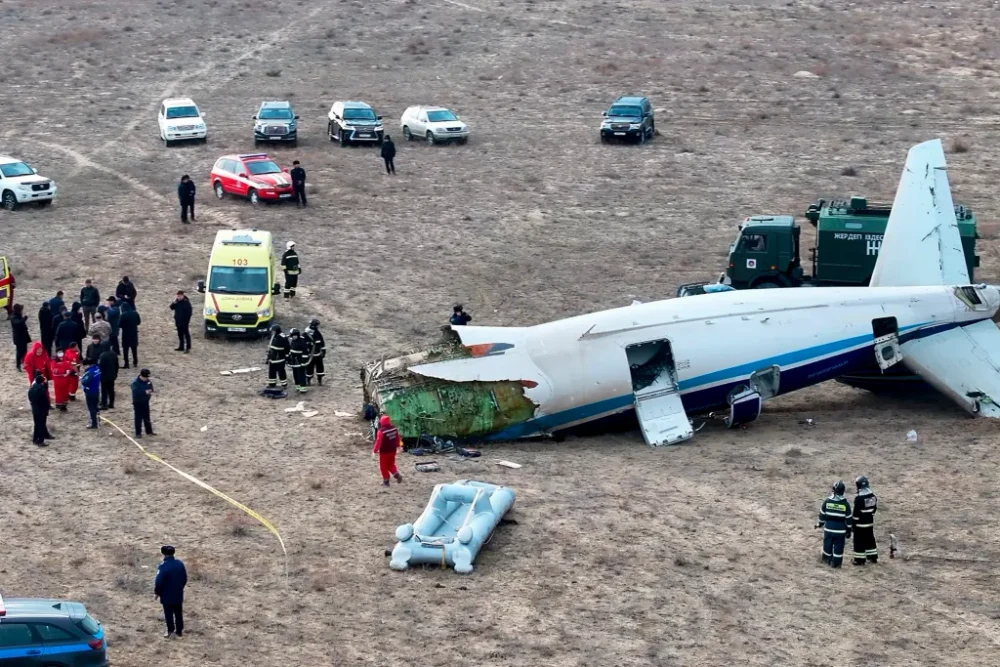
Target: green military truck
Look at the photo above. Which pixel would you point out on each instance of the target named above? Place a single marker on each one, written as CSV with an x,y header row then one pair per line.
x,y
848,238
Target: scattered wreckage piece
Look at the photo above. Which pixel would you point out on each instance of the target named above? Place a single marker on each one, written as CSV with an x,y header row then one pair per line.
x,y
240,371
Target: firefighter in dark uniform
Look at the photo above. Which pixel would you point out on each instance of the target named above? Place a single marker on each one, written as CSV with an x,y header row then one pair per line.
x,y
835,518
315,369
298,175
298,361
865,506
277,353
290,265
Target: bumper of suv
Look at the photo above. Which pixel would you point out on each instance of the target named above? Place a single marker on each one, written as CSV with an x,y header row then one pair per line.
x,y
291,136
276,194
611,133
366,136
185,135
443,136
25,196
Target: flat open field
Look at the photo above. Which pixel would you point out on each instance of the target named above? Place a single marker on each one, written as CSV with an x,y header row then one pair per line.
x,y
702,554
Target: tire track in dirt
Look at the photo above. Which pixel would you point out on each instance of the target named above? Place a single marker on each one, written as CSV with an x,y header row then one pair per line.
x,y
981,624
273,40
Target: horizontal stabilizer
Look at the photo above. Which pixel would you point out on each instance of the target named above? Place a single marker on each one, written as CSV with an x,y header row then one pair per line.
x,y
922,244
962,363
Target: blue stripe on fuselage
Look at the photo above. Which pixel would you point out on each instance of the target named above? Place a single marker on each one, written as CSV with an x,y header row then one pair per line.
x,y
700,399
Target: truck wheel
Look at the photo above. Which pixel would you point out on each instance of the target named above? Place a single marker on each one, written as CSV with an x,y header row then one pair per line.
x,y
329,131
254,199
343,138
767,284
9,200
219,192
406,134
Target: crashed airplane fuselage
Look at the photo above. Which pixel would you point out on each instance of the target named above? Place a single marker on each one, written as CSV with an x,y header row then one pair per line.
x,y
726,352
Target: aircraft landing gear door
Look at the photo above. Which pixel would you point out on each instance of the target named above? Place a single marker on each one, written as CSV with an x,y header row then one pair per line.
x,y
657,399
887,351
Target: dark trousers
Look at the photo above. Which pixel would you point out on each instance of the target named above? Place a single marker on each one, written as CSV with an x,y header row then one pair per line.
x,y
299,375
390,165
41,429
291,282
173,614
865,547
276,372
184,337
833,548
47,342
114,344
134,347
300,194
20,349
92,403
187,206
141,411
315,369
107,393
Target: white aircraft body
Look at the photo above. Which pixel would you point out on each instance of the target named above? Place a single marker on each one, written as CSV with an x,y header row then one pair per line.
x,y
732,351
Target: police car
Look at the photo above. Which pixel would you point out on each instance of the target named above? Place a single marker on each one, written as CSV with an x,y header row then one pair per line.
x,y
49,633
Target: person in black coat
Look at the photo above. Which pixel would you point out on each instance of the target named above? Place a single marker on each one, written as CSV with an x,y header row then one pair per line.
x,y
185,193
298,175
125,292
38,396
19,332
76,314
108,363
90,299
171,578
182,320
67,332
142,390
128,324
113,315
45,328
389,154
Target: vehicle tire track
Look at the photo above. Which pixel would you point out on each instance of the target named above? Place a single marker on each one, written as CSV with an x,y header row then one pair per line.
x,y
275,38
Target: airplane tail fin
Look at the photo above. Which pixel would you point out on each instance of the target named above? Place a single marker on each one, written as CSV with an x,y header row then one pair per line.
x,y
922,244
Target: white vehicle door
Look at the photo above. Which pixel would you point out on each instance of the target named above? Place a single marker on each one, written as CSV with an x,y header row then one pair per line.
x,y
161,118
422,122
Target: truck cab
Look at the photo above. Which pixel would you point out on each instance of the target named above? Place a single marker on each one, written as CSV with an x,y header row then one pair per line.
x,y
848,239
241,286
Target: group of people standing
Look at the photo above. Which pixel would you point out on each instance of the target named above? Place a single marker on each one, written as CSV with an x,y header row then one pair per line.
x,y
303,352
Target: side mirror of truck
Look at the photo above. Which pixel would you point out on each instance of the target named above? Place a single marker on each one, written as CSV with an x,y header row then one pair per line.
x,y
253,118
276,289
201,286
296,117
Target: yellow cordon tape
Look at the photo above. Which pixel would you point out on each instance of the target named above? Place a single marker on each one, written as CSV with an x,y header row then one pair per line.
x,y
191,478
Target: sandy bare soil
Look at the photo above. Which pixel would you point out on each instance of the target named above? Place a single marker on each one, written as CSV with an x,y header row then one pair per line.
x,y
697,555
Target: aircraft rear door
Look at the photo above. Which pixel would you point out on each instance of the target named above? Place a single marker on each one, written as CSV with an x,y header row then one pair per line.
x,y
657,401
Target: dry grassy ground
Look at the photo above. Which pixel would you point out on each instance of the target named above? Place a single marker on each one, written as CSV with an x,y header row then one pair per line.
x,y
696,555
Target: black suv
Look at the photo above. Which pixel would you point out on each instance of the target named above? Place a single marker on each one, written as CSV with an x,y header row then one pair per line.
x,y
629,117
49,633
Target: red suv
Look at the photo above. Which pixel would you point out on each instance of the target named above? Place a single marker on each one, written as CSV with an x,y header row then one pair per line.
x,y
255,176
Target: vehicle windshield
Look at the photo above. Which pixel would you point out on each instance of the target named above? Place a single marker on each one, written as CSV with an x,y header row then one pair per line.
x,y
275,114
238,280
441,115
182,112
15,169
359,114
622,111
258,167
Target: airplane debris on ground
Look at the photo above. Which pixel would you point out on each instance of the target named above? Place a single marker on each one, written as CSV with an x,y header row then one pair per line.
x,y
668,360
299,407
238,371
508,464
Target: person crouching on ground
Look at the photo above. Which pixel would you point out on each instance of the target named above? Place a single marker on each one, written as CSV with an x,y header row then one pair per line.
x,y
386,443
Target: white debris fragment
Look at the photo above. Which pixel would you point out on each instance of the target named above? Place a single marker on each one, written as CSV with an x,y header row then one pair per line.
x,y
299,407
805,74
341,413
311,413
911,436
508,464
238,371
909,112
636,302
204,428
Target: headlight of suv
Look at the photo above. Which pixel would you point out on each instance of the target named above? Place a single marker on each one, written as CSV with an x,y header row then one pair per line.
x,y
634,126
23,186
211,311
264,312
171,128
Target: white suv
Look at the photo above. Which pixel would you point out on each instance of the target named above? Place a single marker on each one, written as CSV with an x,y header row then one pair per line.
x,y
21,184
349,122
180,120
435,124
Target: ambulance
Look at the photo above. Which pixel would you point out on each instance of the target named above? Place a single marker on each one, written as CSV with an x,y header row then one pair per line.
x,y
241,284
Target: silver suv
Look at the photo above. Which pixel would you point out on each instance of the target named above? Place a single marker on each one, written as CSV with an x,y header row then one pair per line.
x,y
275,121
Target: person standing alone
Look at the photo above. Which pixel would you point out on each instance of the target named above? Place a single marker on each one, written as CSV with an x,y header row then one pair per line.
x,y
142,389
171,578
290,265
299,183
90,299
20,335
108,363
387,441
389,155
38,396
185,192
128,325
182,320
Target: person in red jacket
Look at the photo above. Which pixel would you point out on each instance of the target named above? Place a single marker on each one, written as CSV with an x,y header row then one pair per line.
x,y
72,355
62,372
387,441
37,359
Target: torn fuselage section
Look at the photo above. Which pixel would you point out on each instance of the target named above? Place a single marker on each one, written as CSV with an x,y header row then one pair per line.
x,y
405,388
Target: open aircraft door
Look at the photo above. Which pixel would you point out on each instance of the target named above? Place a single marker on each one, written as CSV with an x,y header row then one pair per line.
x,y
6,285
658,406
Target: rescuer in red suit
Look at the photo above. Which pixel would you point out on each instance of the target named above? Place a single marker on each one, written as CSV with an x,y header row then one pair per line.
x,y
72,355
37,359
387,441
62,372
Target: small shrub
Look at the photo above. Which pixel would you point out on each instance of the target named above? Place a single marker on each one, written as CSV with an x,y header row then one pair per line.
x,y
680,561
127,555
132,583
959,146
848,171
238,524
273,72
315,484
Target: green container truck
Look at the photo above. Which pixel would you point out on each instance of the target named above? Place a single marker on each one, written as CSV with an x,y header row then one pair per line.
x,y
848,238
